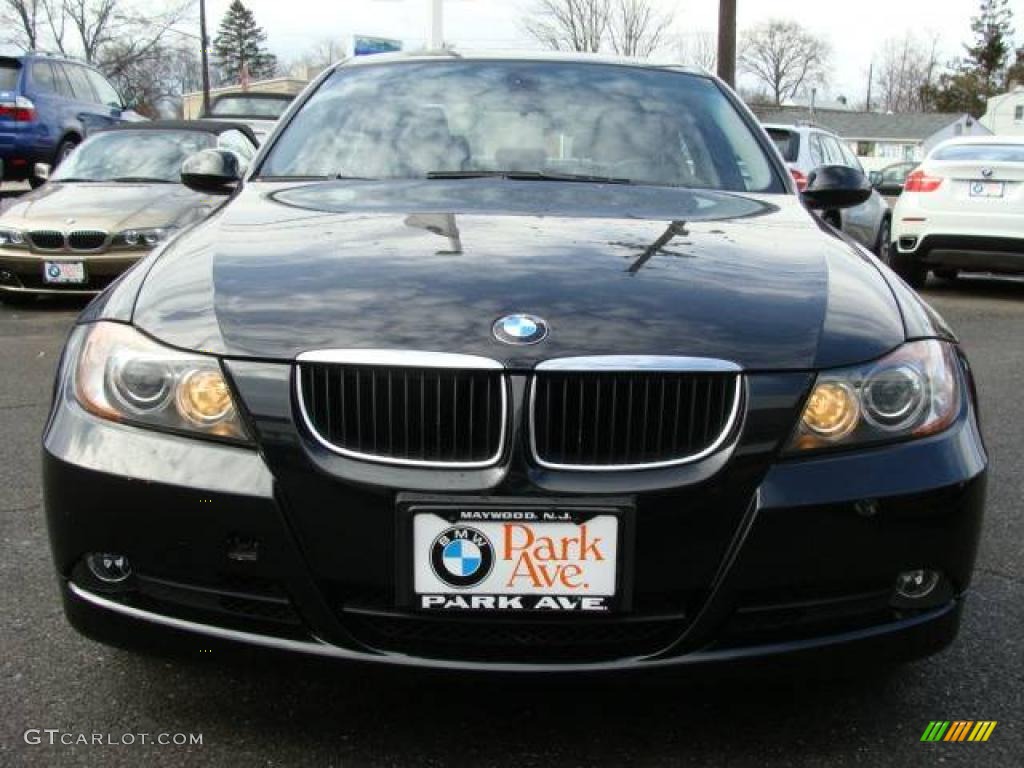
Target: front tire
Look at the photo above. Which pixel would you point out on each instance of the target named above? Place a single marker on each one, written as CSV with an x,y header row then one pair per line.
x,y
903,264
883,246
66,148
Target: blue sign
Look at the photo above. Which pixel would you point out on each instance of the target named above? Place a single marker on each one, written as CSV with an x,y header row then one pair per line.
x,y
367,46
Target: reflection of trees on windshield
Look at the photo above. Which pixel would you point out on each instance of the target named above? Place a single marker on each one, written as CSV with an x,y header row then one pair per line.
x,y
412,119
134,154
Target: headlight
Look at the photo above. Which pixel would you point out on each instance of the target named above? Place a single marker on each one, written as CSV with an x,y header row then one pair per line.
x,y
124,376
912,392
142,238
12,238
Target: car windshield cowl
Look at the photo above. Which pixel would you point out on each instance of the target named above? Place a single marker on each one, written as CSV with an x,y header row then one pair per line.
x,y
528,176
142,180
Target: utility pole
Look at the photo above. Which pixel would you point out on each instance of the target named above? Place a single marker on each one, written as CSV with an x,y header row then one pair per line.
x,y
871,80
436,25
205,43
727,41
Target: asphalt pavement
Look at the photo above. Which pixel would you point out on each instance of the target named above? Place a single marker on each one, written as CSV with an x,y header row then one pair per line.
x,y
281,711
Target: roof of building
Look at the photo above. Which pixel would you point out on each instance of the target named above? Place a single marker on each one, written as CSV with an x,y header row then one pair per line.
x,y
864,125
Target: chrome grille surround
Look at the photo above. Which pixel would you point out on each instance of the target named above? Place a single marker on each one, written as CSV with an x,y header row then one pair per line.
x,y
386,359
637,364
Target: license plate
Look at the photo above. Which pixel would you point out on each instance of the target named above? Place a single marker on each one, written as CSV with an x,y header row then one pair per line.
x,y
551,560
63,272
986,189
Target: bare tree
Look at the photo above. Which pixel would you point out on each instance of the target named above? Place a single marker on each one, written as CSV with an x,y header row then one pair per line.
x,y
785,57
698,49
636,29
906,69
320,54
21,19
571,25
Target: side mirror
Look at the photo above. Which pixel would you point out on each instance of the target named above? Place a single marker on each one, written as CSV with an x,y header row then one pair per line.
x,y
42,171
835,186
215,171
875,177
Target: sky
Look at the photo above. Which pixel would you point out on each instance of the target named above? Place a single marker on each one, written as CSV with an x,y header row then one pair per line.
x,y
855,29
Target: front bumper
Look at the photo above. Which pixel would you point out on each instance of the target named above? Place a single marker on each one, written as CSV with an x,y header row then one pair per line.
x,y
21,272
786,559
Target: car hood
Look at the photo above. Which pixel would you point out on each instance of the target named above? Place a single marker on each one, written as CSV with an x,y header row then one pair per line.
x,y
431,265
106,206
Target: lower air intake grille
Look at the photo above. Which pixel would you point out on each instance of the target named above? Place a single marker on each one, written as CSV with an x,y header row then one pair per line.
x,y
628,420
398,415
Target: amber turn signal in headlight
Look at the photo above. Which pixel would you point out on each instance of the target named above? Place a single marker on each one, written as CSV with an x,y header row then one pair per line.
x,y
204,397
832,410
912,392
124,376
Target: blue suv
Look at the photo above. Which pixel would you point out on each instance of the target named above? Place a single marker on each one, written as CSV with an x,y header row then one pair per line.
x,y
48,105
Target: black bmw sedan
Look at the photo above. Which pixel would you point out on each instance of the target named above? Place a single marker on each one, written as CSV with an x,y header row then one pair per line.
x,y
516,363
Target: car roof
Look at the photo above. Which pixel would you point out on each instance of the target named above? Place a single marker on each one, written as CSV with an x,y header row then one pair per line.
x,y
797,127
216,127
457,54
982,140
255,95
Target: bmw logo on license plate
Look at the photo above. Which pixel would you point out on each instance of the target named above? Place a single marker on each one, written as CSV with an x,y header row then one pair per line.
x,y
520,329
461,556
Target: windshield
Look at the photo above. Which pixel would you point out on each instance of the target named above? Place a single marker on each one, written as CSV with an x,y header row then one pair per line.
x,y
546,119
788,143
9,71
982,153
250,106
133,155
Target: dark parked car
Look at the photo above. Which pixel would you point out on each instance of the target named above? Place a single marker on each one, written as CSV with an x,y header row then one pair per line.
x,y
48,105
516,363
890,180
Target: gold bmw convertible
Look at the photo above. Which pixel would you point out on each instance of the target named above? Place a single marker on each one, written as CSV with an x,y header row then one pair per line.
x,y
117,196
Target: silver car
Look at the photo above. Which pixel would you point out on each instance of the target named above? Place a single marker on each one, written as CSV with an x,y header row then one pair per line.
x,y
805,147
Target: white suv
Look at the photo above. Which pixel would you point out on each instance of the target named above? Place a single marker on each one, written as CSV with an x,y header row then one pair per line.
x,y
962,209
804,147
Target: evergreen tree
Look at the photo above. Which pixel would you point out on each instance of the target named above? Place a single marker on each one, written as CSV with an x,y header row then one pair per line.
x,y
240,42
992,44
982,73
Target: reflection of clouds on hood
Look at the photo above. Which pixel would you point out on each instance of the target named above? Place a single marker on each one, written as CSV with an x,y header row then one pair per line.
x,y
410,119
385,279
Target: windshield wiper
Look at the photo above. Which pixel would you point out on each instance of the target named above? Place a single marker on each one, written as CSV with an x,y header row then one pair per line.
x,y
143,180
529,176
77,180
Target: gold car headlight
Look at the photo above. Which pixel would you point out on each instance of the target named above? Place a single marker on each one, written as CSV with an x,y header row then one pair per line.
x,y
143,238
12,238
124,376
912,392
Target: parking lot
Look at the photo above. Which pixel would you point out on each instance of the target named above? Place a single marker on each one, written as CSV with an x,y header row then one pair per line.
x,y
286,711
